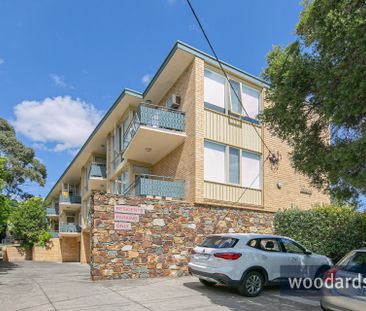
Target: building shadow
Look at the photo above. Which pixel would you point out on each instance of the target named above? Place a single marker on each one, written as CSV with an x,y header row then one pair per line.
x,y
5,267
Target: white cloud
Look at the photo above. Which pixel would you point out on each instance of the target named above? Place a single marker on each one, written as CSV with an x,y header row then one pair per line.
x,y
60,81
2,61
56,124
146,79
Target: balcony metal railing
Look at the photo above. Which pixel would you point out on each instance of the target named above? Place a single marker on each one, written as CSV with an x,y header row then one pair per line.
x,y
51,211
155,117
70,227
73,199
53,233
98,170
159,186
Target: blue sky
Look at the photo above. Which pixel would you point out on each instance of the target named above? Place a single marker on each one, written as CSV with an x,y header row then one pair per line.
x,y
65,62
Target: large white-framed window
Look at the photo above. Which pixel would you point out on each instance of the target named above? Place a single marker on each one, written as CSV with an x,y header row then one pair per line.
x,y
214,162
251,170
230,165
214,91
217,91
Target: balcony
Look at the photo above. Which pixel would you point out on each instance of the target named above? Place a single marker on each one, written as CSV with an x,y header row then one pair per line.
x,y
53,211
69,202
53,233
97,177
162,186
69,229
153,133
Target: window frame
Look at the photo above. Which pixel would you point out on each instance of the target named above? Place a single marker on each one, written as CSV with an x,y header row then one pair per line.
x,y
228,98
280,249
227,165
225,161
292,242
211,106
243,151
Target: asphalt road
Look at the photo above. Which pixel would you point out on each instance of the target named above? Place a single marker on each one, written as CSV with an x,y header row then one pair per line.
x,y
56,286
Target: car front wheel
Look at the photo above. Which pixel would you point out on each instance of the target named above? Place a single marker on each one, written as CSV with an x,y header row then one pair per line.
x,y
252,284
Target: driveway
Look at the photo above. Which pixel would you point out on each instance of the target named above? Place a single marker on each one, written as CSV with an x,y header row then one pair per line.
x,y
56,286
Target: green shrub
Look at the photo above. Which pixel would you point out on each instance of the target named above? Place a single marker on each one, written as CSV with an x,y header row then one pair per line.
x,y
43,238
331,230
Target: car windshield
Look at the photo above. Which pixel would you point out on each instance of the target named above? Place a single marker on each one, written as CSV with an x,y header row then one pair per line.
x,y
357,264
219,242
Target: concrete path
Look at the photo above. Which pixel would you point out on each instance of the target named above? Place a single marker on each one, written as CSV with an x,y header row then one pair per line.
x,y
53,286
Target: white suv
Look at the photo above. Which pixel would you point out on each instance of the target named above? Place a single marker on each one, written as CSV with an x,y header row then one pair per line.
x,y
250,261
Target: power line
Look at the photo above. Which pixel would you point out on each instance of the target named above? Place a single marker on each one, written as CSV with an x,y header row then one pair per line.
x,y
272,156
226,76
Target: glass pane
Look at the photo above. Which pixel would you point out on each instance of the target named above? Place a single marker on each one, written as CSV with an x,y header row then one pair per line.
x,y
269,245
219,242
357,263
251,170
234,165
214,90
251,101
235,103
291,247
214,162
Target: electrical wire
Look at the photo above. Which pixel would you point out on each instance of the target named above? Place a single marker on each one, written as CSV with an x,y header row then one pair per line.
x,y
226,76
271,154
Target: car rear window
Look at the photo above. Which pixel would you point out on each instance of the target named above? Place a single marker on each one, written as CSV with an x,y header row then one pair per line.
x,y
219,242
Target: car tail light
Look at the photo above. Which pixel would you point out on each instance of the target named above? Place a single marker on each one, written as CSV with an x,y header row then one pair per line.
x,y
193,251
228,256
329,275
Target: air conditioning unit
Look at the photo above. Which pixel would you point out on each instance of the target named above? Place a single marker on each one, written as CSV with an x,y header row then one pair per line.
x,y
173,102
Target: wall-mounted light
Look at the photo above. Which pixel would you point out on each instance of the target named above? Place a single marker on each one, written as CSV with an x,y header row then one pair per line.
x,y
279,185
148,149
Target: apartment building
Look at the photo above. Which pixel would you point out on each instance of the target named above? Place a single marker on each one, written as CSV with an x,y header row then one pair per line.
x,y
186,137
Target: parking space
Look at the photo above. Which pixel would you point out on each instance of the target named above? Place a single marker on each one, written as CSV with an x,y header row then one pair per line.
x,y
53,286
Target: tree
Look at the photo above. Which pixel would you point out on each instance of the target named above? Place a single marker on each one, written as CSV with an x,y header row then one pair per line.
x,y
317,88
4,201
28,221
19,162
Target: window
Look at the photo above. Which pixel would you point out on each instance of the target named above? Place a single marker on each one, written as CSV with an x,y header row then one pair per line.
x,y
214,162
251,170
357,264
121,183
234,160
269,245
70,219
251,101
234,94
253,243
219,242
214,91
292,247
124,178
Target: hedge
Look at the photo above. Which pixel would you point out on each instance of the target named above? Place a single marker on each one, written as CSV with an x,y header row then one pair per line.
x,y
330,230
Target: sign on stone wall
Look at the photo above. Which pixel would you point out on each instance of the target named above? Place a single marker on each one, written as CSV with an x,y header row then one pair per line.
x,y
122,226
124,215
129,209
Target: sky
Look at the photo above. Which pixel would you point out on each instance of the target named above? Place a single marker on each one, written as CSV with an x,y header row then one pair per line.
x,y
63,63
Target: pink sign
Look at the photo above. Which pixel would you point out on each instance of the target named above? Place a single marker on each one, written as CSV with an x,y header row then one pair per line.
x,y
129,209
122,226
126,217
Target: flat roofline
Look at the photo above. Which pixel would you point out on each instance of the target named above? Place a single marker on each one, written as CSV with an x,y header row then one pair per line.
x,y
178,45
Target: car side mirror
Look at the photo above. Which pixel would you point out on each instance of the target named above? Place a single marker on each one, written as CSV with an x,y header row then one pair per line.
x,y
307,252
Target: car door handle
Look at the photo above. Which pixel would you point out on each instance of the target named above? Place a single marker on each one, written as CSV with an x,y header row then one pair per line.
x,y
293,259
